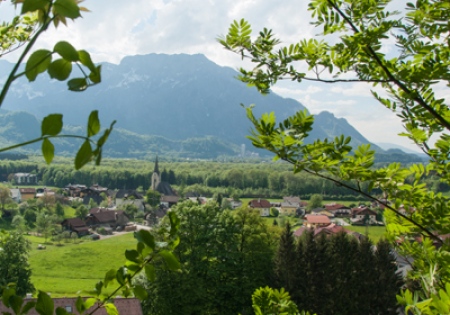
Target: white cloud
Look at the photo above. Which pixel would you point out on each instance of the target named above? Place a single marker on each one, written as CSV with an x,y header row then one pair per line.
x,y
115,29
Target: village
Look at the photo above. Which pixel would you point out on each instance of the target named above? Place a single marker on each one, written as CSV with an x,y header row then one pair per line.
x,y
115,210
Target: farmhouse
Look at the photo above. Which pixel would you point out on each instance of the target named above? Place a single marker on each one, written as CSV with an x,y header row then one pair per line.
x,y
363,215
25,179
316,220
110,218
75,225
338,210
262,205
27,193
290,205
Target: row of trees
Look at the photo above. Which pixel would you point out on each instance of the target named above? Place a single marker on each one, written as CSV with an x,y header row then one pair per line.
x,y
245,180
226,255
338,275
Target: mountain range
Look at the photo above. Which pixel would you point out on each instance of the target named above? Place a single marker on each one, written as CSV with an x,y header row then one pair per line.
x,y
179,105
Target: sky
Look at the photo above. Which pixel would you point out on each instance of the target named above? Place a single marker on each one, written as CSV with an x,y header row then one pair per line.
x,y
114,29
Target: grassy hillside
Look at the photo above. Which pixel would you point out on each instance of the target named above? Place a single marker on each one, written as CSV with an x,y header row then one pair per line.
x,y
64,270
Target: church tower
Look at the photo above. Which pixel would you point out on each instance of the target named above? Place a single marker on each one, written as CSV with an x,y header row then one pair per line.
x,y
156,177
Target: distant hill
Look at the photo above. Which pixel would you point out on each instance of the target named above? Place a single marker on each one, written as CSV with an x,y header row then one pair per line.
x,y
184,105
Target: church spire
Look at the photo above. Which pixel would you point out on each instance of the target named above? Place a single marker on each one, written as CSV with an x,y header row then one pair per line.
x,y
156,170
156,178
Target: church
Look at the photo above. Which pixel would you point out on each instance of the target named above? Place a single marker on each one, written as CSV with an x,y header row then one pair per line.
x,y
163,188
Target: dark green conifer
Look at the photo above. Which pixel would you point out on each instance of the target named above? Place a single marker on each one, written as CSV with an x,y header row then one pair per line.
x,y
285,261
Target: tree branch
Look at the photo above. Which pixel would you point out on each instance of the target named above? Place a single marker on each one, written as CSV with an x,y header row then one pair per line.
x,y
421,227
371,52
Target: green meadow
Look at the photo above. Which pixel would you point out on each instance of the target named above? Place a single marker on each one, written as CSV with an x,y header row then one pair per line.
x,y
66,269
375,233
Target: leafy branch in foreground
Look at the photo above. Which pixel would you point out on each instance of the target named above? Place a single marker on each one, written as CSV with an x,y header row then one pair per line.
x,y
24,30
410,75
146,258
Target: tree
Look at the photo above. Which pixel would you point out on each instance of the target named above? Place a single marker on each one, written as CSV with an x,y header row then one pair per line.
x,y
130,209
59,210
224,256
153,197
18,222
45,224
81,212
410,75
315,202
14,267
5,196
286,261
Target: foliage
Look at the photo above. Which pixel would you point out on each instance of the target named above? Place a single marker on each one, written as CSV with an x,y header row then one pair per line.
x,y
130,209
148,257
45,224
315,201
5,196
410,76
268,301
35,18
363,278
81,211
152,197
224,256
14,267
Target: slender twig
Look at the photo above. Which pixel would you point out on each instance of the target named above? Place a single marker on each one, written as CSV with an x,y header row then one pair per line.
x,y
27,49
420,226
372,53
41,139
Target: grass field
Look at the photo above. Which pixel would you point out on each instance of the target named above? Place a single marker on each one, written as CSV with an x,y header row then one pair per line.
x,y
64,270
375,232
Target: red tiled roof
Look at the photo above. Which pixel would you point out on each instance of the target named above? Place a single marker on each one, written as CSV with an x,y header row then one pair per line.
x,y
335,206
27,190
317,219
259,203
130,306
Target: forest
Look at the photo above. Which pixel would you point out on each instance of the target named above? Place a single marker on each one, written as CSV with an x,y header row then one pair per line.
x,y
246,180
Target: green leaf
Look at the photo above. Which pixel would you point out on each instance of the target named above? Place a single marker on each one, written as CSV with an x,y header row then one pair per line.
x,y
44,304
132,255
48,150
16,303
60,69
150,272
93,124
109,277
37,63
52,125
140,292
95,76
61,311
85,59
7,293
79,305
172,262
89,303
67,51
145,237
67,8
99,287
120,275
84,155
77,84
33,5
28,306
